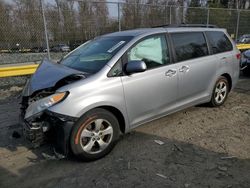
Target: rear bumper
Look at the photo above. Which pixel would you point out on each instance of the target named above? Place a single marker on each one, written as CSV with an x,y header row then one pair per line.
x,y
54,128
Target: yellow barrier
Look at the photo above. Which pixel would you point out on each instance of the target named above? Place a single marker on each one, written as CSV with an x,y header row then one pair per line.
x,y
243,46
18,70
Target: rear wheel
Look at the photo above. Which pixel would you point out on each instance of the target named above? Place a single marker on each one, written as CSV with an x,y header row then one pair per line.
x,y
94,135
220,92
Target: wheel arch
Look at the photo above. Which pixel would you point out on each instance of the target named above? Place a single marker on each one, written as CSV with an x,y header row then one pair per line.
x,y
121,117
118,114
229,79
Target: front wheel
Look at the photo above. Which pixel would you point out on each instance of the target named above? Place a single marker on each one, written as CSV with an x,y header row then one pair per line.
x,y
94,135
220,92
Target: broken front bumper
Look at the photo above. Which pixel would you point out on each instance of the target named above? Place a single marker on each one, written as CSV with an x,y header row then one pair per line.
x,y
34,134
49,126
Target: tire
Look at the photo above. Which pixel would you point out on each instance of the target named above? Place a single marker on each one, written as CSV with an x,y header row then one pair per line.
x,y
220,92
94,135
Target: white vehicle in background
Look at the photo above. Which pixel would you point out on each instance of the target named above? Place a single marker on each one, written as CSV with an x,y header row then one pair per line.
x,y
60,48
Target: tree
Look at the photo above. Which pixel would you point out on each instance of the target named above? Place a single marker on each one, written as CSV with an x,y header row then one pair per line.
x,y
27,22
155,13
6,26
93,19
132,14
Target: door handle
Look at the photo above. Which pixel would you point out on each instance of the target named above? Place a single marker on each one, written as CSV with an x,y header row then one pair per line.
x,y
184,68
170,73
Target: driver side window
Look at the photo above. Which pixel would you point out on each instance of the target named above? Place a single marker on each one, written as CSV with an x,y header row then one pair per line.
x,y
153,51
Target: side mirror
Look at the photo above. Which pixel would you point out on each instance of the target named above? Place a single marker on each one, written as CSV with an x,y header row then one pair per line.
x,y
135,66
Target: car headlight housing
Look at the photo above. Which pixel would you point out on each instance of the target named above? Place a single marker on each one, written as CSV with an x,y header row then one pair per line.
x,y
44,103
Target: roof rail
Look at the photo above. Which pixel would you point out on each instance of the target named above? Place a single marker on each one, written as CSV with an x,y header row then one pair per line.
x,y
187,25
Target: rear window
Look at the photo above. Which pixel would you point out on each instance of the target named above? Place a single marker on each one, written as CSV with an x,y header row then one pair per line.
x,y
219,42
189,45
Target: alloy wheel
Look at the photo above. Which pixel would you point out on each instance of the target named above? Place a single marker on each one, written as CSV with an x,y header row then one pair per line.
x,y
220,92
96,136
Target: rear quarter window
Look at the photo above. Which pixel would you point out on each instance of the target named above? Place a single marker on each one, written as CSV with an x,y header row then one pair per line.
x,y
189,45
219,42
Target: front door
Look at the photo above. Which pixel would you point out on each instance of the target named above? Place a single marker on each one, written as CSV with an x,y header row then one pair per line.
x,y
151,93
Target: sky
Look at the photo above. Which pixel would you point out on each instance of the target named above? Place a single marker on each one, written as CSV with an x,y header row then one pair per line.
x,y
113,8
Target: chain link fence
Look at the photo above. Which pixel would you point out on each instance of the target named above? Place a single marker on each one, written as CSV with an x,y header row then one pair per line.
x,y
25,29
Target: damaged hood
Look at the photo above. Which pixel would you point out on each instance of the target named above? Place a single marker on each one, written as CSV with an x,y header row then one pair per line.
x,y
47,75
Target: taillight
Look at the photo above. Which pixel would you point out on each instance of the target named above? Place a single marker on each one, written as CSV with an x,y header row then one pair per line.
x,y
238,56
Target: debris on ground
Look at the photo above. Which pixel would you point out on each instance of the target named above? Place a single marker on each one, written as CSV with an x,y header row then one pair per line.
x,y
128,165
120,159
161,175
178,148
59,155
159,142
49,157
222,168
227,157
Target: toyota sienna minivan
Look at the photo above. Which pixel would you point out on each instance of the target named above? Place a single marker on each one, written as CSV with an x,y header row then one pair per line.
x,y
118,81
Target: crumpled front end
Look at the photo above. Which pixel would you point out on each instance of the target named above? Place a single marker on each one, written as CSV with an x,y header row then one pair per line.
x,y
46,126
39,94
34,129
49,128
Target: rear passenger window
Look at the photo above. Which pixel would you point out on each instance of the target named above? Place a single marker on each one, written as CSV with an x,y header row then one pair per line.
x,y
219,42
189,45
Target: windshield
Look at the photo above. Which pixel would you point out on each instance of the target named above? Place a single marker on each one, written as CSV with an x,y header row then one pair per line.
x,y
95,54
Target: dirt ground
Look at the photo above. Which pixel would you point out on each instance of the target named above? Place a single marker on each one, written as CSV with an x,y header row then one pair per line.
x,y
202,147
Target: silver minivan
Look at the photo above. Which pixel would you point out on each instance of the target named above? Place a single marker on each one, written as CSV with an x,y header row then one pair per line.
x,y
116,82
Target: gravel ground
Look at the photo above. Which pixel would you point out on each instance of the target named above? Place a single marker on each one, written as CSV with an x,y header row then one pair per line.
x,y
202,147
8,82
12,58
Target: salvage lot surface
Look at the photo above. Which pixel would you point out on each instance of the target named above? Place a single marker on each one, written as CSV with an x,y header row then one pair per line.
x,y
203,147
